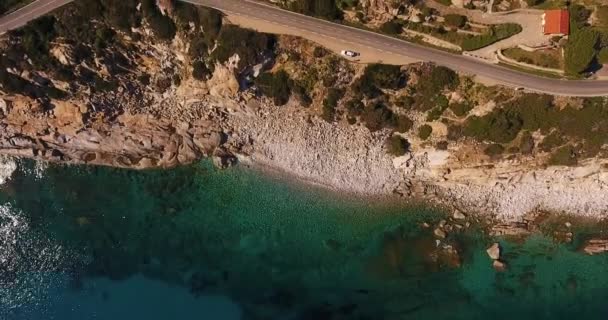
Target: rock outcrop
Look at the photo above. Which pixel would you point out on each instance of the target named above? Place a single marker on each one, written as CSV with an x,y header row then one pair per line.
x,y
595,246
381,10
132,141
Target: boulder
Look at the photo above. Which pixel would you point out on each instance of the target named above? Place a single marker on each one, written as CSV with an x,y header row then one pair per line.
x,y
458,215
224,160
494,251
499,266
439,233
595,246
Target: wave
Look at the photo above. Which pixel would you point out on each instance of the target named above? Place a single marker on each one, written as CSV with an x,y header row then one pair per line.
x,y
31,264
8,165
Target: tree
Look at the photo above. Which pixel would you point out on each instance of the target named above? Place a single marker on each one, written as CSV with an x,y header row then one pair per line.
x,y
392,27
602,56
455,20
200,71
424,132
397,145
275,86
320,8
580,50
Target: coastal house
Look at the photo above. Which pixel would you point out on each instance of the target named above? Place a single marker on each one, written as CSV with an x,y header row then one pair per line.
x,y
556,22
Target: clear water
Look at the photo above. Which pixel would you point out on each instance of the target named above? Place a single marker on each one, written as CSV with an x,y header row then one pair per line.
x,y
197,243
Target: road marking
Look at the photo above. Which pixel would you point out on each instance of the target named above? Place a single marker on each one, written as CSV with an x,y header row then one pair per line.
x,y
21,16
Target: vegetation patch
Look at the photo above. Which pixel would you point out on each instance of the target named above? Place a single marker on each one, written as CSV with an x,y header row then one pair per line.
x,y
424,132
398,145
542,58
275,85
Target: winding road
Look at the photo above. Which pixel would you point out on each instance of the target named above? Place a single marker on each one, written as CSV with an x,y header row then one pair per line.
x,y
349,37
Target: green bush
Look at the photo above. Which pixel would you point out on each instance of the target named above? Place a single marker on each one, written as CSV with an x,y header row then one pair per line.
x,y
275,85
330,103
377,76
500,126
355,106
564,156
403,124
495,34
326,9
248,44
526,143
602,56
580,50
200,71
397,145
405,102
163,26
210,20
552,141
377,116
301,94
460,109
424,132
455,20
494,150
198,48
392,27
532,3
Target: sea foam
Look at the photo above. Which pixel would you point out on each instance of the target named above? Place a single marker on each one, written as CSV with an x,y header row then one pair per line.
x,y
30,264
8,165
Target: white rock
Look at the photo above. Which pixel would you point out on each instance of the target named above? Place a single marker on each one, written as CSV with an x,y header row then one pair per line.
x,y
494,251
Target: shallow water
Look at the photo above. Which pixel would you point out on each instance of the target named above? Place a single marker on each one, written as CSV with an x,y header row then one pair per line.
x,y
197,243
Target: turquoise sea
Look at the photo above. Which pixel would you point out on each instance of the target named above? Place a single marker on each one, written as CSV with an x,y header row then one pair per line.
x,y
198,243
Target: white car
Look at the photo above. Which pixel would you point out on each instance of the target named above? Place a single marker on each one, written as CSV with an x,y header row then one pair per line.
x,y
349,53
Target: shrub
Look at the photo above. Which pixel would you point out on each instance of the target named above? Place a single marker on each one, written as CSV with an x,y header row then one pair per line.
x,y
163,27
405,102
330,103
378,76
460,109
526,143
500,126
144,79
200,70
564,156
403,124
495,34
210,20
455,20
326,9
248,44
275,86
119,13
300,92
532,3
198,48
397,146
580,50
378,116
355,106
552,141
442,145
494,150
424,132
392,27
602,56
319,52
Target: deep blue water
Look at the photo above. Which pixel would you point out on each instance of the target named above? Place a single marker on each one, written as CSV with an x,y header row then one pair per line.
x,y
198,243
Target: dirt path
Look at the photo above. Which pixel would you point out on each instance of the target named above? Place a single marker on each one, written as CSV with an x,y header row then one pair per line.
x,y
530,21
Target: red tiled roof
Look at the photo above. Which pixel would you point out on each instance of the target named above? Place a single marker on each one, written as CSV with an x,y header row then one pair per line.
x,y
557,22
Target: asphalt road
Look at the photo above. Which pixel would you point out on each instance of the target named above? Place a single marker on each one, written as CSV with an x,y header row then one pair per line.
x,y
30,12
348,35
